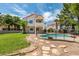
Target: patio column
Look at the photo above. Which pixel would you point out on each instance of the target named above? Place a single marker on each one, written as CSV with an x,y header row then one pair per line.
x,y
45,27
35,27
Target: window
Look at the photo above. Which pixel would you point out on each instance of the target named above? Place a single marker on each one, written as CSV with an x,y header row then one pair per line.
x,y
30,21
39,20
31,29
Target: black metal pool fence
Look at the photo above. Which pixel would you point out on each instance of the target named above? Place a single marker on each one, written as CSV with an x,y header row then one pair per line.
x,y
67,34
73,34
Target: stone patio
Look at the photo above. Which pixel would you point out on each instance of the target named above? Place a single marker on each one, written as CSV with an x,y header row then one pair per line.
x,y
53,48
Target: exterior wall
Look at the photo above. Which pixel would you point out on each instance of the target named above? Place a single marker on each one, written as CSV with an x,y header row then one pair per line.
x,y
58,27
39,29
33,21
39,22
40,25
28,29
50,27
1,28
5,27
54,26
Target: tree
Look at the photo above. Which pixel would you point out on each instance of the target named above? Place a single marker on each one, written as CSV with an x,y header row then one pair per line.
x,y
74,9
61,19
1,20
16,20
50,30
23,23
8,20
67,15
64,15
12,21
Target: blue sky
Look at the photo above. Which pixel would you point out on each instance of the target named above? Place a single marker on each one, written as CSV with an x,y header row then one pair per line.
x,y
48,10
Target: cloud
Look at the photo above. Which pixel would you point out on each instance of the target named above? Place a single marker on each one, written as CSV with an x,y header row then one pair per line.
x,y
49,17
28,14
13,14
56,12
46,16
19,10
41,7
25,5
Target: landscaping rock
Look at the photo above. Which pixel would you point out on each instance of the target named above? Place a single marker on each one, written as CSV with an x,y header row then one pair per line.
x,y
47,42
45,48
35,53
66,51
56,52
40,43
46,55
42,40
45,52
53,46
62,46
36,38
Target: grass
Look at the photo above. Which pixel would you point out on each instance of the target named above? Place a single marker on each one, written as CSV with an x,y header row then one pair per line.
x,y
11,42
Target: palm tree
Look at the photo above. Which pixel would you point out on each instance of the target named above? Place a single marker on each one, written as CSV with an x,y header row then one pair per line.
x,y
23,24
61,20
16,20
56,21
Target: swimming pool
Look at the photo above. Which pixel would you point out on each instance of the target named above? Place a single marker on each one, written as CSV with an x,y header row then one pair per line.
x,y
55,36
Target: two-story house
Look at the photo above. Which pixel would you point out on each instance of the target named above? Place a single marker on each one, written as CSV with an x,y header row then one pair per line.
x,y
35,23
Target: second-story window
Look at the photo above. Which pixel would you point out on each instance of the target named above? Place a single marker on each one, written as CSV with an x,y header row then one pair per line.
x,y
39,20
30,21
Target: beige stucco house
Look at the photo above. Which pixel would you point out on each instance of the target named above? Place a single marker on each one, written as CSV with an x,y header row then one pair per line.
x,y
35,23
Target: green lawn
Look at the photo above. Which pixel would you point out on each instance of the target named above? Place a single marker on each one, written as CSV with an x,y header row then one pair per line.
x,y
11,42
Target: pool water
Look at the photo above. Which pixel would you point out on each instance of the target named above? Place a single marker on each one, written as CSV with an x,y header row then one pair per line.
x,y
54,35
